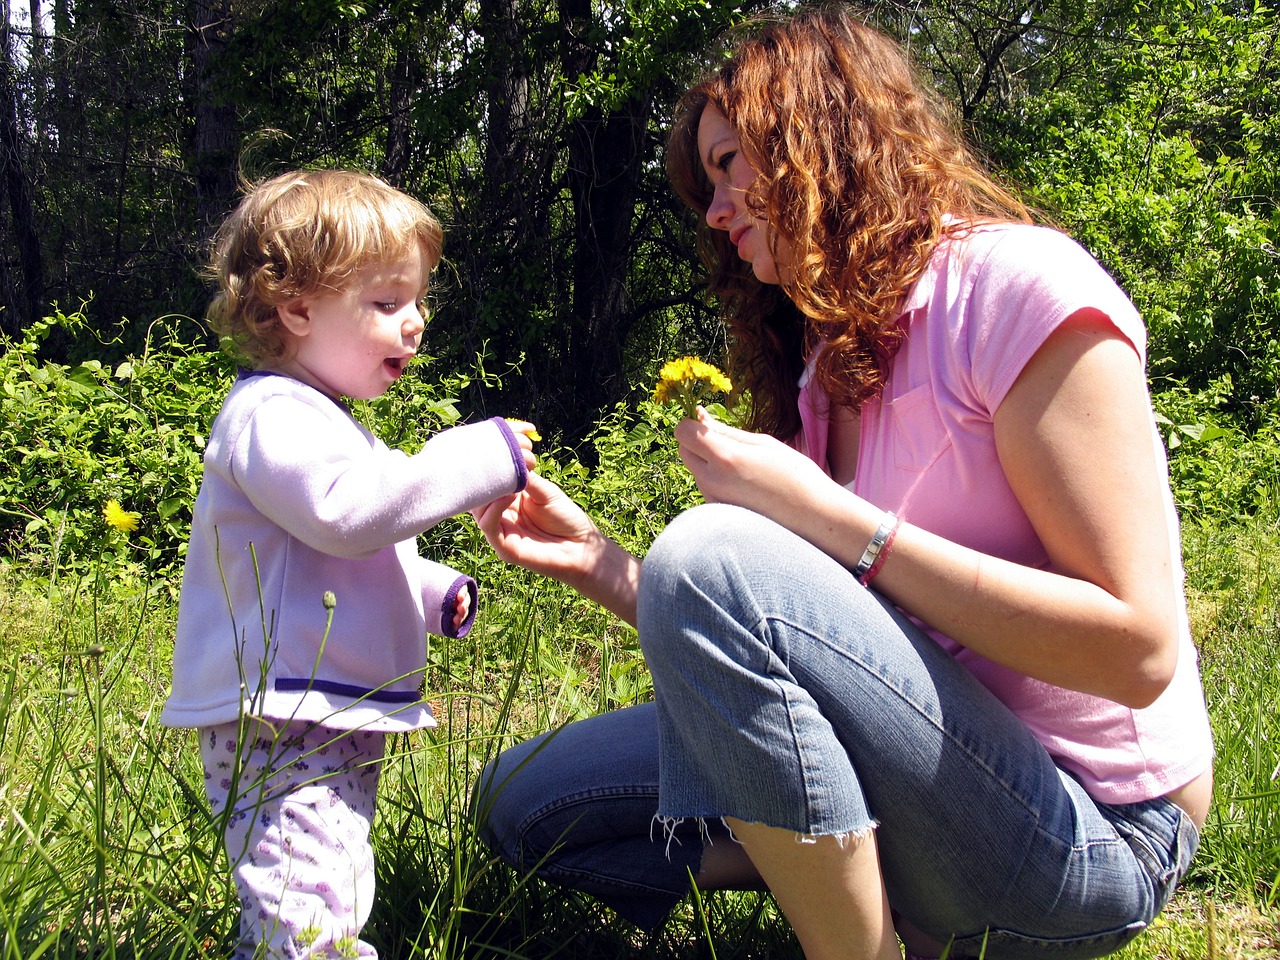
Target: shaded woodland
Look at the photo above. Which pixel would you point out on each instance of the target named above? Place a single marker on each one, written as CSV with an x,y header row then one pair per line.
x,y
534,129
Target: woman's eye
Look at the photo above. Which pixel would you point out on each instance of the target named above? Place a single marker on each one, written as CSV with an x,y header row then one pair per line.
x,y
726,158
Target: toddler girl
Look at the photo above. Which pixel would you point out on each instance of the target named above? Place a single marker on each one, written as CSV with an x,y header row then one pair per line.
x,y
302,621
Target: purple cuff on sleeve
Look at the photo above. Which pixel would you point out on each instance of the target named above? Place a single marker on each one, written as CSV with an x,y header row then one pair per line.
x,y
517,455
448,608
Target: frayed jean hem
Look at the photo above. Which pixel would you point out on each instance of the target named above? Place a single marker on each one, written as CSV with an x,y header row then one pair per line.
x,y
669,824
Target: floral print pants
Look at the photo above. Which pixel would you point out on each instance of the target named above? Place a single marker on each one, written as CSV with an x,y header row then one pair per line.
x,y
297,801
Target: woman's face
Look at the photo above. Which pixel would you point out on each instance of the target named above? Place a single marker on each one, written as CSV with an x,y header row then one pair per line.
x,y
731,175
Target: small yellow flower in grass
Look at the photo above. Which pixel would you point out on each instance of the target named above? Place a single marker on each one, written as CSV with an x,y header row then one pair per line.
x,y
118,518
687,381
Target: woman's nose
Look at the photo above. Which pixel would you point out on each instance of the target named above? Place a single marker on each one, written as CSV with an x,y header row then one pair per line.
x,y
720,211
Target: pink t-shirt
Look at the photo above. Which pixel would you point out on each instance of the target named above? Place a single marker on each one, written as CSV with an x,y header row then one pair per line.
x,y
984,306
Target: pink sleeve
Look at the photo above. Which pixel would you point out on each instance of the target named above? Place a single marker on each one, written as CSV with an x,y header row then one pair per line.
x,y
1029,280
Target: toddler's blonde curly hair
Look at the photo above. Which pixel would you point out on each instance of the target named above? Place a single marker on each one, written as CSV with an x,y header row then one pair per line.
x,y
302,233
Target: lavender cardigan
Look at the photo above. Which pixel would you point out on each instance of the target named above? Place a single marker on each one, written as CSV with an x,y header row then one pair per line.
x,y
299,501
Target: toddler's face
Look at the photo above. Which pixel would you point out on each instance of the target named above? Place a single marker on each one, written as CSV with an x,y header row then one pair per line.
x,y
356,342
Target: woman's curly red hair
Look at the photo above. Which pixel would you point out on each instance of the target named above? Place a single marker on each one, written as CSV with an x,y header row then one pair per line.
x,y
862,172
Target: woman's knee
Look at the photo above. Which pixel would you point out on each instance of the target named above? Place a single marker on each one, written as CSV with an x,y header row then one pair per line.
x,y
700,533
701,558
498,806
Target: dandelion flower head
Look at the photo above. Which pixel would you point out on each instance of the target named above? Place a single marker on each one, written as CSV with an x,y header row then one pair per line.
x,y
687,380
118,518
530,431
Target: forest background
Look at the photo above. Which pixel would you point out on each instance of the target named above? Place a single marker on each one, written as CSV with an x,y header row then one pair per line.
x,y
1147,128
534,128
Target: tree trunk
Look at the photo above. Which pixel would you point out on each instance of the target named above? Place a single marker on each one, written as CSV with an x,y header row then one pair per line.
x,y
29,300
405,72
509,266
605,151
507,93
215,144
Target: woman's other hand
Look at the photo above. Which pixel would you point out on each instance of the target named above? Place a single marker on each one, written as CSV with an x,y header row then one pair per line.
x,y
539,527
542,529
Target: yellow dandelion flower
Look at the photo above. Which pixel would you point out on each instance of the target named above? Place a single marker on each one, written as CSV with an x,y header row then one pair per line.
x,y
118,518
687,381
529,431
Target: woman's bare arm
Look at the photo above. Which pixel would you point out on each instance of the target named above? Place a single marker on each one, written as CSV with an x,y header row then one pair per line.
x,y
1075,441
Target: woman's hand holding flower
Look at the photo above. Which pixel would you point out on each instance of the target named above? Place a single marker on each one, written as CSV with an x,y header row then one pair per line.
x,y
751,470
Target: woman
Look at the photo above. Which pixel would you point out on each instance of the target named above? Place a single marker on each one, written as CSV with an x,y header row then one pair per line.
x,y
922,664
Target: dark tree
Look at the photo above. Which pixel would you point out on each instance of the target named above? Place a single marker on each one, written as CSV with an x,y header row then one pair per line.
x,y
25,298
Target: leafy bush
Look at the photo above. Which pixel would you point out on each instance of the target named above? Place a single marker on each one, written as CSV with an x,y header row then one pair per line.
x,y
1166,173
74,437
1221,471
639,484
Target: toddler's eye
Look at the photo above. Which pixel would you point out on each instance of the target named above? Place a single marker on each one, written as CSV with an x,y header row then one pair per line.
x,y
388,305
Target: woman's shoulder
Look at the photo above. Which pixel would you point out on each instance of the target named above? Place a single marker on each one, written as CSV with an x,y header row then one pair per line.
x,y
1031,248
1024,261
1033,265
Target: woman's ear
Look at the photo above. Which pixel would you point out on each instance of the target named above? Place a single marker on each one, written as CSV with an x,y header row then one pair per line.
x,y
295,316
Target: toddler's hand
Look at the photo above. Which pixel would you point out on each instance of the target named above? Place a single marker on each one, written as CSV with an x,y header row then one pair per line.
x,y
526,433
461,609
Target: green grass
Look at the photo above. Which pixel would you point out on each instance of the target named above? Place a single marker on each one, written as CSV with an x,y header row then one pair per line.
x,y
106,849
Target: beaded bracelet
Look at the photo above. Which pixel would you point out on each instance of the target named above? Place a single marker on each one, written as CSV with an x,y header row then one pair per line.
x,y
878,549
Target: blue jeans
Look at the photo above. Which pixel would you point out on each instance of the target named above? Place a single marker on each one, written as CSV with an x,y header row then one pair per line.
x,y
788,694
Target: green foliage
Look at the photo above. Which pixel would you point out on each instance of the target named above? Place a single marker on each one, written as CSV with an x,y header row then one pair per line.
x,y
1234,601
1221,470
97,806
1164,170
73,437
1148,128
106,848
417,405
643,42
